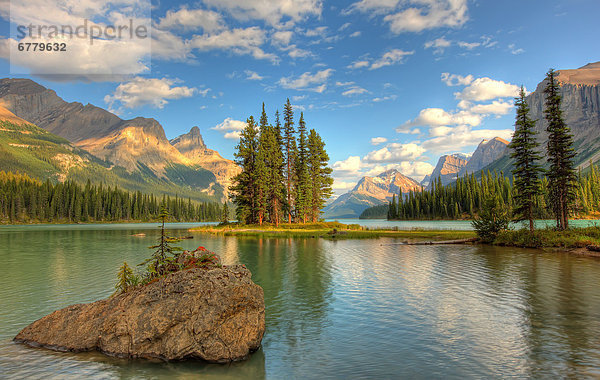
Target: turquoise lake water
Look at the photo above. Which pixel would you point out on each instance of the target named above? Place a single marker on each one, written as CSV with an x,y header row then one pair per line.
x,y
334,309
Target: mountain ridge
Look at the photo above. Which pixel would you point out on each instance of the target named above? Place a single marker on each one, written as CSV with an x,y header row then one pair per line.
x,y
370,191
25,148
137,145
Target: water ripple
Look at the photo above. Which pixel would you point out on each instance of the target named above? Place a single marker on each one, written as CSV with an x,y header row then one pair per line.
x,y
335,309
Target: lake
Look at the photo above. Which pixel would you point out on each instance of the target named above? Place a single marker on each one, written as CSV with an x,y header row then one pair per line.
x,y
334,309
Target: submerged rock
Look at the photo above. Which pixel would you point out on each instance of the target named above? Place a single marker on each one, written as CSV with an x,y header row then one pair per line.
x,y
217,315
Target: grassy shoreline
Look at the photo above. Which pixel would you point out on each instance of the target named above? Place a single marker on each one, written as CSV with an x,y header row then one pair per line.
x,y
548,238
573,241
329,230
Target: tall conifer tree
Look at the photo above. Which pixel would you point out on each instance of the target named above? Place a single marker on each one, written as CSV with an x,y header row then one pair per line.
x,y
289,148
527,171
302,193
243,191
262,167
319,174
561,175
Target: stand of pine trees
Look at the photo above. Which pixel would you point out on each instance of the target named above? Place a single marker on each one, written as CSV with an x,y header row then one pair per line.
x,y
26,200
465,198
285,177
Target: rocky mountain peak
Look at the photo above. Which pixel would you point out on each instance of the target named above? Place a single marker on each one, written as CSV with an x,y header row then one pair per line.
x,y
150,127
487,152
20,86
189,141
588,75
448,167
388,173
370,191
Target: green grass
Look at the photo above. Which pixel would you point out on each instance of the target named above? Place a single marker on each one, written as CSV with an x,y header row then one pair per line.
x,y
326,230
549,238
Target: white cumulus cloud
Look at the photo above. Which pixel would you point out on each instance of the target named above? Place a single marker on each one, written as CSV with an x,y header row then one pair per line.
x,y
456,80
438,45
378,140
192,19
230,128
349,166
314,82
272,11
253,75
440,117
429,14
395,152
487,89
149,91
392,57
238,41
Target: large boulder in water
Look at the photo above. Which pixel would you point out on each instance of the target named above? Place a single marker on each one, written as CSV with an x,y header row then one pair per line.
x,y
217,315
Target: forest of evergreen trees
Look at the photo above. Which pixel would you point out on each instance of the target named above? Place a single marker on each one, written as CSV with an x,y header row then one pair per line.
x,y
529,194
26,200
464,199
284,175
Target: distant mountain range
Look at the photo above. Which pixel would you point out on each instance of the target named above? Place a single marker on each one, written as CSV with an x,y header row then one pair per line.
x,y
368,192
134,153
373,191
580,91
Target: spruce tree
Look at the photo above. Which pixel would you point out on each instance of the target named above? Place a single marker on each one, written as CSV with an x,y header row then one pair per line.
x,y
243,191
302,192
392,211
561,174
225,214
526,170
165,253
262,168
319,174
289,148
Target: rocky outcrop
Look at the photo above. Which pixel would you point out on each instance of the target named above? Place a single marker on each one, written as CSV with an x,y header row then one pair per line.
x,y
447,168
189,142
216,315
192,146
368,192
580,92
7,116
487,152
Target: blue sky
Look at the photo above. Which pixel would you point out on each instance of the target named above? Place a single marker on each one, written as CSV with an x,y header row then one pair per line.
x,y
387,83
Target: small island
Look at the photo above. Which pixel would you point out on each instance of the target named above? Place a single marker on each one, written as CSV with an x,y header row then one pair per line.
x,y
186,305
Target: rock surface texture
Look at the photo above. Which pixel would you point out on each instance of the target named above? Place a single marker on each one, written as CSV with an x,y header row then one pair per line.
x,y
487,152
447,168
216,315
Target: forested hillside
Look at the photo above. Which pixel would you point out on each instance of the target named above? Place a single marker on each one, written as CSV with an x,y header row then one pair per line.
x,y
26,200
464,198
